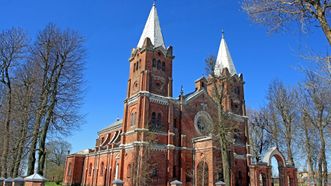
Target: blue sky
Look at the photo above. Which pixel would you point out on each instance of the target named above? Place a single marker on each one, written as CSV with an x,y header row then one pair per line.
x,y
192,27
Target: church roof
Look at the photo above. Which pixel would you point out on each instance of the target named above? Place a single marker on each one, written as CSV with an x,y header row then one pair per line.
x,y
224,59
115,125
152,30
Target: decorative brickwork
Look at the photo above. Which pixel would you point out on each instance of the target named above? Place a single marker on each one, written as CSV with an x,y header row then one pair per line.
x,y
164,138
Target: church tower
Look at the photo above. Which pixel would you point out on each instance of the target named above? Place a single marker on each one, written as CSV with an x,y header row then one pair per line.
x,y
150,79
233,83
147,114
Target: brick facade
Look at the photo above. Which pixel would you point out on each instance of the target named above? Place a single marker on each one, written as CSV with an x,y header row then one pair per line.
x,y
162,138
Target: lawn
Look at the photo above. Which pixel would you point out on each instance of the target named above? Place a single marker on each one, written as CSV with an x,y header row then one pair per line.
x,y
51,184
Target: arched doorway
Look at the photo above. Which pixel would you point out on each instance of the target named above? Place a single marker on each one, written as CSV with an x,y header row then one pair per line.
x,y
274,172
202,174
276,161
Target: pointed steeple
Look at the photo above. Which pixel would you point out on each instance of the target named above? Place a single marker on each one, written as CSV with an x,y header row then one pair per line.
x,y
224,59
152,30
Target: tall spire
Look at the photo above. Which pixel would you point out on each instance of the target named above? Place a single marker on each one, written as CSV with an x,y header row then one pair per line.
x,y
224,59
152,30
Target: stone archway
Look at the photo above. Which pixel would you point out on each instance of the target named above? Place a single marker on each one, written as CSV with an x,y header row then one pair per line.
x,y
287,173
274,152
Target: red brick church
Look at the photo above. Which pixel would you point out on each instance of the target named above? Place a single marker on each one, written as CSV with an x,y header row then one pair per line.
x,y
162,138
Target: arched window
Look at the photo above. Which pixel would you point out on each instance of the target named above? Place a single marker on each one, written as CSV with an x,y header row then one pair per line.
x,y
158,64
203,174
237,90
153,119
69,169
90,170
163,66
158,121
102,168
129,171
137,65
133,118
154,63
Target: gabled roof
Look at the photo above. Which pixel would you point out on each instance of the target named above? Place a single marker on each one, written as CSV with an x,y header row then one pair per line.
x,y
35,177
152,30
224,59
115,125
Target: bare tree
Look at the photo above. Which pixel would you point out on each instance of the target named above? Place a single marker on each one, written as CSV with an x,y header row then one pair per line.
x,y
12,49
308,133
283,101
276,14
59,56
317,110
57,151
65,101
24,99
260,134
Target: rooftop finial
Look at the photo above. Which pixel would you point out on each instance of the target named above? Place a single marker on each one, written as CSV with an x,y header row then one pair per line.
x,y
154,3
182,90
222,34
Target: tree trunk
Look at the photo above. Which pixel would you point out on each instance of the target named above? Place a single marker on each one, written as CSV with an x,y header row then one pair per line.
x,y
12,168
39,116
289,150
32,155
43,136
6,137
324,24
50,112
23,133
320,170
224,146
309,153
323,158
43,99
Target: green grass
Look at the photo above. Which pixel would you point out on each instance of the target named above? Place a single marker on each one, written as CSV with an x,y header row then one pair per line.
x,y
51,184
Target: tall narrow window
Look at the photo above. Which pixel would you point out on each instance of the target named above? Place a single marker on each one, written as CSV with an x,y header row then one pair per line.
x,y
154,172
90,170
102,168
163,66
158,121
133,118
153,119
154,63
129,171
158,64
69,169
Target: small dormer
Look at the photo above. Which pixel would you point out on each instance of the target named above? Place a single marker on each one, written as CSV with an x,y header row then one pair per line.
x,y
200,83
